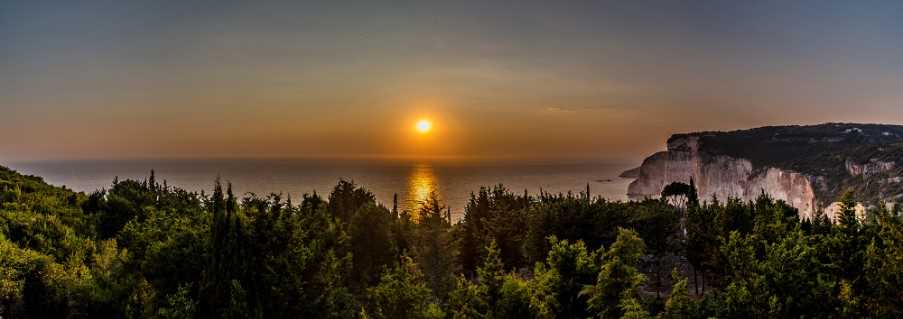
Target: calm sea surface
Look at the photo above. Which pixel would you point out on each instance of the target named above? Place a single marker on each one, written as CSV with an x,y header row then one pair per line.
x,y
411,180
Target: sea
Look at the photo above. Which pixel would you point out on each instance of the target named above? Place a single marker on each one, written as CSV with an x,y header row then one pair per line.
x,y
412,180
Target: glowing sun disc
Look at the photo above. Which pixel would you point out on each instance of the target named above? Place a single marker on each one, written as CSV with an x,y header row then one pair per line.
x,y
423,126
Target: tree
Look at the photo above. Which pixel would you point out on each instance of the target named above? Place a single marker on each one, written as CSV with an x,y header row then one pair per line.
x,y
433,251
703,240
659,226
222,288
679,193
679,305
556,289
297,254
372,245
179,305
514,301
475,214
468,300
794,277
493,215
491,274
481,299
847,220
346,198
848,245
821,224
883,268
401,293
742,296
618,279
632,309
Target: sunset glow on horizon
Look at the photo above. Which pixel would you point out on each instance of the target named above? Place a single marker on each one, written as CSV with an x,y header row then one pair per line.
x,y
139,79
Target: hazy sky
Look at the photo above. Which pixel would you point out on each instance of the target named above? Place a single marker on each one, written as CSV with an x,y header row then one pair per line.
x,y
558,79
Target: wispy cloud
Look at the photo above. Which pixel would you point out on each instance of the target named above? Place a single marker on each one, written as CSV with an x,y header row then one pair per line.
x,y
560,110
582,109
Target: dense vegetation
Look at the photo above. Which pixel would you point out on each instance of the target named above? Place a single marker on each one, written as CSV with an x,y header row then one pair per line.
x,y
821,151
145,249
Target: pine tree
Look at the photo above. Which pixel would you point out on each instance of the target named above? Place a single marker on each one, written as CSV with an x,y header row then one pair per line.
x,y
847,220
401,293
679,305
883,268
850,245
558,284
491,274
692,195
372,245
432,252
619,279
632,309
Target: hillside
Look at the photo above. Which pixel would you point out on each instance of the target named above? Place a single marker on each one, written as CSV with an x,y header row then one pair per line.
x,y
833,158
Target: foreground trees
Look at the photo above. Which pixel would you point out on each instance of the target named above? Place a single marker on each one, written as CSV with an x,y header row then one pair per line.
x,y
144,250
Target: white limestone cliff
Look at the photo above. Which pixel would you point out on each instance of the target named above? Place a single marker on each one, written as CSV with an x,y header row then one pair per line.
x,y
720,176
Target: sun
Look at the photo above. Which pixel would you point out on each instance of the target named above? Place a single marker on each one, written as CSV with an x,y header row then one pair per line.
x,y
423,126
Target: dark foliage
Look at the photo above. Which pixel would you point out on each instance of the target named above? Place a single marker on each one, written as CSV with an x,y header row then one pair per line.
x,y
142,249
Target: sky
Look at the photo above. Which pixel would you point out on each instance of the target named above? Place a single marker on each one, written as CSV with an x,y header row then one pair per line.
x,y
499,79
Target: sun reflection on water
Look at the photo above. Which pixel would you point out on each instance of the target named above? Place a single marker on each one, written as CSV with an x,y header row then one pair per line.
x,y
421,182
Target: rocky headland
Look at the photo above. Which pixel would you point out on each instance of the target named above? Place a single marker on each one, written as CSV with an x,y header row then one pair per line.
x,y
809,167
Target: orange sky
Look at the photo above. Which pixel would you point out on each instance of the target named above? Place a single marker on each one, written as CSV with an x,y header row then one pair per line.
x,y
582,80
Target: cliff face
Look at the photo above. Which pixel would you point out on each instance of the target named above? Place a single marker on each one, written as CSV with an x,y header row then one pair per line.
x,y
808,167
720,176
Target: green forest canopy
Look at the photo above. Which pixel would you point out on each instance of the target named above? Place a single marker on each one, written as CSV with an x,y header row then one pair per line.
x,y
142,249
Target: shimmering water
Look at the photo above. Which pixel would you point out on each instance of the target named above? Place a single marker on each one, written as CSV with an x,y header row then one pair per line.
x,y
454,181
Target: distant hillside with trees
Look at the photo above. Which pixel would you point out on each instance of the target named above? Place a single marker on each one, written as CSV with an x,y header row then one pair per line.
x,y
823,152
